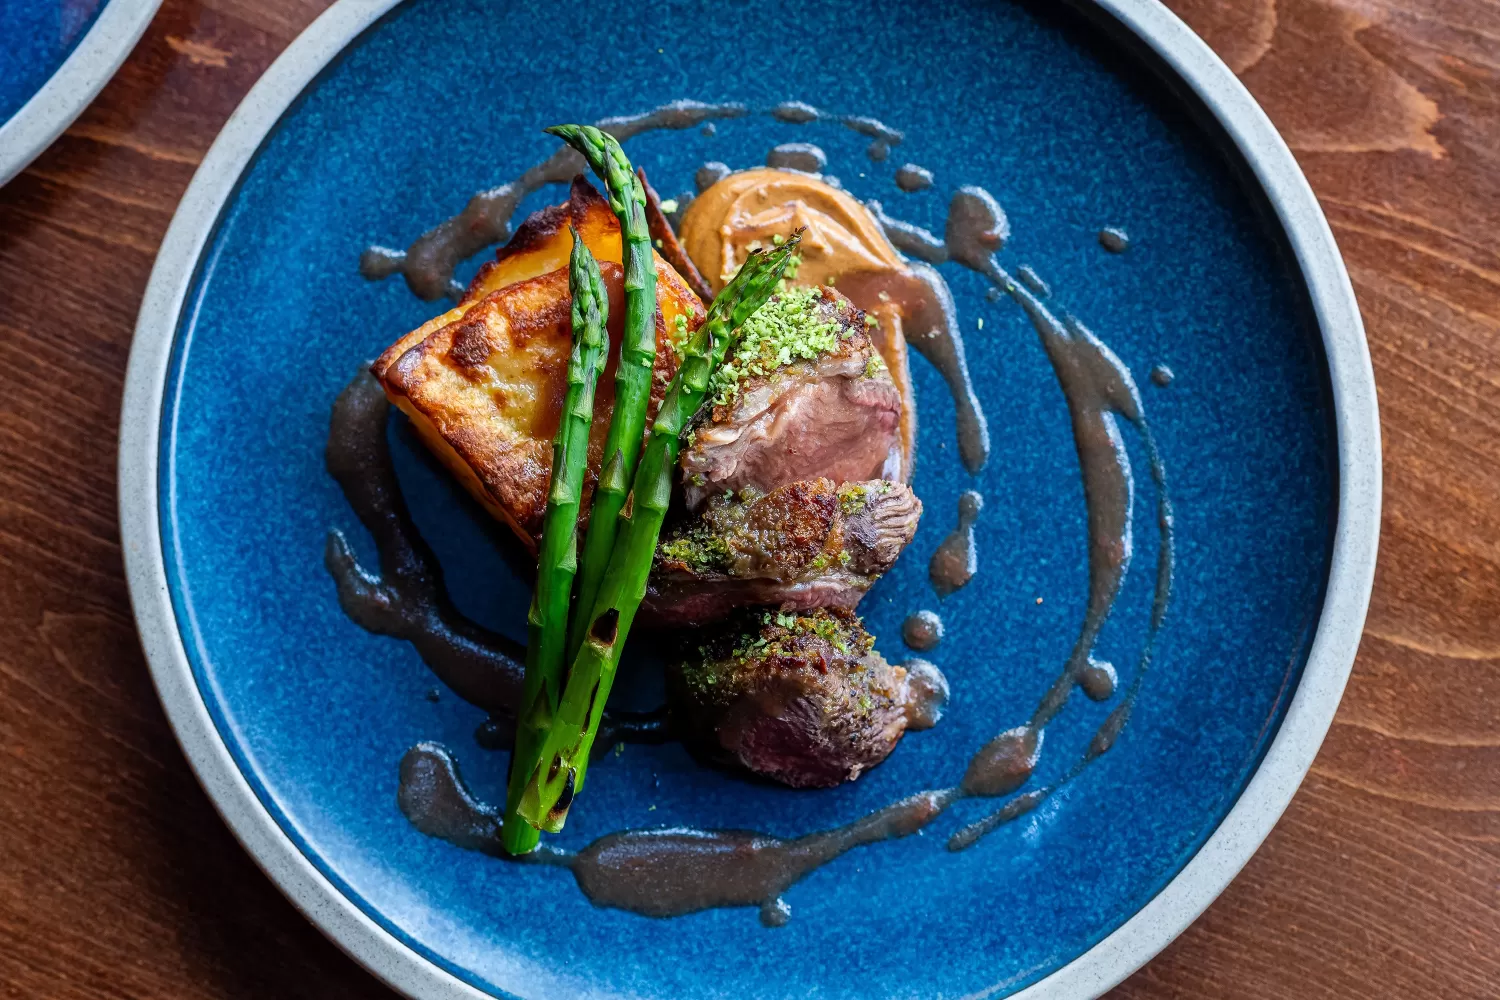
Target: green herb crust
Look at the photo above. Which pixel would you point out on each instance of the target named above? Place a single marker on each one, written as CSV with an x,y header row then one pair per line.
x,y
799,324
781,638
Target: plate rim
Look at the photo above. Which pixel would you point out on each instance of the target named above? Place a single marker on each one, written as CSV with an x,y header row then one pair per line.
x,y
1127,948
74,85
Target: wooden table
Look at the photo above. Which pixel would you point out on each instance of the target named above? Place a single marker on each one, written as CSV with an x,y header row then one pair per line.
x,y
1383,880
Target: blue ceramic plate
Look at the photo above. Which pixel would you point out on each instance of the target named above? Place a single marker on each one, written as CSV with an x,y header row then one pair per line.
x,y
58,55
383,119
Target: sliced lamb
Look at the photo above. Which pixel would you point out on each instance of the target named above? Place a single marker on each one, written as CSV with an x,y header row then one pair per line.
x,y
803,394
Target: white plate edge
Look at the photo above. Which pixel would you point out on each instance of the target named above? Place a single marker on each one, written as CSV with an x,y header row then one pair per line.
x,y
75,84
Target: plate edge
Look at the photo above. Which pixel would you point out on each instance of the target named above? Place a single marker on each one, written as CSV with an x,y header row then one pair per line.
x,y
75,84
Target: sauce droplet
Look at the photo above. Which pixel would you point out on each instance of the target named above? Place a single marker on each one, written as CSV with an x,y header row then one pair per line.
x,y
775,913
927,694
1114,239
1162,376
710,174
955,562
1098,679
803,156
922,631
911,177
795,113
1004,763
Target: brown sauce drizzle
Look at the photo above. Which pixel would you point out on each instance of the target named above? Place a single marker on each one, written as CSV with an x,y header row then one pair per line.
x,y
882,137
428,264
932,331
1098,389
955,562
669,873
408,599
658,873
912,240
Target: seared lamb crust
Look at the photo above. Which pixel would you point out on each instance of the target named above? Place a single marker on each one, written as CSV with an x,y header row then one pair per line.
x,y
804,545
798,697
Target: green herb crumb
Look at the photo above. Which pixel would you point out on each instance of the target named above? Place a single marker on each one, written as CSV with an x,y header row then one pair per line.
x,y
698,549
678,337
852,498
787,328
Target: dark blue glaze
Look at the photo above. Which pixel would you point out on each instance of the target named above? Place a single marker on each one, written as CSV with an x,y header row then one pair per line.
x,y
36,36
397,134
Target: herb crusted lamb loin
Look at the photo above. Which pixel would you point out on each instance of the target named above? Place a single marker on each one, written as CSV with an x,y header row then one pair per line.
x,y
800,697
804,545
803,394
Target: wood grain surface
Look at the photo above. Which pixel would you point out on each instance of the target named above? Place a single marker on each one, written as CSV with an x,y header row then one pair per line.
x,y
117,879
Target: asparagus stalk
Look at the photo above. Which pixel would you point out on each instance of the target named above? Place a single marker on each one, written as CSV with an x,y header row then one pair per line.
x,y
557,556
559,773
622,446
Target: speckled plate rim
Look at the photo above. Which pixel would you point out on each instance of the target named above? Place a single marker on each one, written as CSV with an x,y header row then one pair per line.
x,y
76,83
1130,946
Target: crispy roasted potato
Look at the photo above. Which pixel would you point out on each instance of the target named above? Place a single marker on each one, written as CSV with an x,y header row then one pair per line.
x,y
483,383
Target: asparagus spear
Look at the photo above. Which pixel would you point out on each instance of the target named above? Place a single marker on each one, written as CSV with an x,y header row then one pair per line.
x,y
559,772
557,557
622,446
